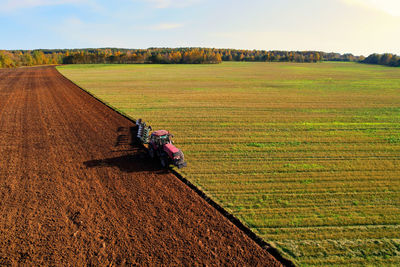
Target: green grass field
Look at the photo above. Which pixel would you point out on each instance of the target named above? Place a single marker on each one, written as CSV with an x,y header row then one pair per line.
x,y
307,155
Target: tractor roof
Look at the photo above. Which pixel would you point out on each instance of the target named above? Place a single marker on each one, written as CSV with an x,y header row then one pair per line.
x,y
171,148
160,133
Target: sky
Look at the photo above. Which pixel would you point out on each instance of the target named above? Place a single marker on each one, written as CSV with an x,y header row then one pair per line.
x,y
361,27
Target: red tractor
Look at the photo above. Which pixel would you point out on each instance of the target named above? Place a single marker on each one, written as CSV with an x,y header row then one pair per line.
x,y
160,145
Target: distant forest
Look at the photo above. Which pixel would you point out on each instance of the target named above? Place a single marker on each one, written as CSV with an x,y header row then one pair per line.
x,y
17,58
385,59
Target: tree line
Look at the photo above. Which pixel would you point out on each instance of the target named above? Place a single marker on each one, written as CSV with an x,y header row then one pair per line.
x,y
16,58
383,59
150,56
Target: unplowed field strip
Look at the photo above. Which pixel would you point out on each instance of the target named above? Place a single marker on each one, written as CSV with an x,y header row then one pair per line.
x,y
69,196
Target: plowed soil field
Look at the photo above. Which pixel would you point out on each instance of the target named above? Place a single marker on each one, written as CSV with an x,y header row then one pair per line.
x,y
74,192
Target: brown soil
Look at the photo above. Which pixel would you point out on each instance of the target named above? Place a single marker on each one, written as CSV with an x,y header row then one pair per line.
x,y
74,192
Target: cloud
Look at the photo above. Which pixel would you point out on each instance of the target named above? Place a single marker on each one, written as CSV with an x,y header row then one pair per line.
x,y
391,7
17,4
171,3
165,26
12,5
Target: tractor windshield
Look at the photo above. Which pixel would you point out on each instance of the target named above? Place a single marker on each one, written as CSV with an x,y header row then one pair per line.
x,y
161,140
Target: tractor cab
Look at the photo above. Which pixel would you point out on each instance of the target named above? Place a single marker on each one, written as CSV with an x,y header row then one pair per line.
x,y
161,138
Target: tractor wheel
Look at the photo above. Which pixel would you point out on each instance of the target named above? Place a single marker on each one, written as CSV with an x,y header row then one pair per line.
x,y
163,162
151,152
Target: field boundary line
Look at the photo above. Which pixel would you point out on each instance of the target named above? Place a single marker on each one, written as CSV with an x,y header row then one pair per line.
x,y
235,221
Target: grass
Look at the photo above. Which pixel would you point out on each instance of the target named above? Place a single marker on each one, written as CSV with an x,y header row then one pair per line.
x,y
307,155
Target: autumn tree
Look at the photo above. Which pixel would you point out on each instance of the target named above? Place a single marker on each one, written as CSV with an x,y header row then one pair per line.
x,y
6,60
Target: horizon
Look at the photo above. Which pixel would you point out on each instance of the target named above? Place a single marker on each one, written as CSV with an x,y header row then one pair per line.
x,y
358,27
194,47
